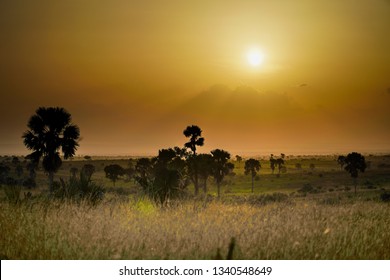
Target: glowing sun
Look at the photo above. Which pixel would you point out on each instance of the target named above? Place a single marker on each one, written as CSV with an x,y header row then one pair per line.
x,y
255,57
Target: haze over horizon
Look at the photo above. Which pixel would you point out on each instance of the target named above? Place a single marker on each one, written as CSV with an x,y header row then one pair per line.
x,y
134,74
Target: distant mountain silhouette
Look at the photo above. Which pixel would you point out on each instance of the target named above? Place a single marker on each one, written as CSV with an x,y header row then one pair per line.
x,y
219,102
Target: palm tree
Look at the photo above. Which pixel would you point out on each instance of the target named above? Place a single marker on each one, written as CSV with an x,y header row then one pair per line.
x,y
51,130
251,167
221,166
194,132
355,162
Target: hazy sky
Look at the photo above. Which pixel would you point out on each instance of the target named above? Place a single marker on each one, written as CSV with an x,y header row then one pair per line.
x,y
135,73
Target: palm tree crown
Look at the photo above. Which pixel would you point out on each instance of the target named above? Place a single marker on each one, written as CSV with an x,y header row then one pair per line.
x,y
194,132
355,162
51,130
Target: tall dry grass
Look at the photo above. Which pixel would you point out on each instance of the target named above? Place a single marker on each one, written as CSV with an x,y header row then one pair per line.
x,y
194,230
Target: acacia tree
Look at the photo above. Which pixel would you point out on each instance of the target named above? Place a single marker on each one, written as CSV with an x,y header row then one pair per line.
x,y
252,166
113,172
194,133
221,166
51,131
355,162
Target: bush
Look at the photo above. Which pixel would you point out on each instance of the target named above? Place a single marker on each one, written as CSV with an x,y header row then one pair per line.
x,y
307,188
77,189
385,196
268,198
29,183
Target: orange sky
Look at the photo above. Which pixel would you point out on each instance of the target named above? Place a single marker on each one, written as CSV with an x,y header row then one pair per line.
x,y
134,74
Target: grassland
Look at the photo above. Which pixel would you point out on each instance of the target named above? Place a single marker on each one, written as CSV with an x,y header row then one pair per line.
x,y
279,221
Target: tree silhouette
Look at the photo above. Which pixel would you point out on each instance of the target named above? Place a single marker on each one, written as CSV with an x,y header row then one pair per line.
x,y
194,132
205,164
280,163
355,162
169,175
251,167
193,166
162,177
221,166
143,170
341,161
113,172
51,130
272,162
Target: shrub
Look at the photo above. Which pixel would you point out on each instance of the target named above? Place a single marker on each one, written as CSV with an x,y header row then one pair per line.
x,y
306,188
77,189
385,196
269,198
29,183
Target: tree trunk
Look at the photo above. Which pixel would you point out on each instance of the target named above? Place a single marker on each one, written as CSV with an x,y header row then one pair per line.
x,y
51,181
355,183
205,186
219,189
252,182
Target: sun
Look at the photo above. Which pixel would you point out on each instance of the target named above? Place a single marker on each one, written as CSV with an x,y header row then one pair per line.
x,y
255,57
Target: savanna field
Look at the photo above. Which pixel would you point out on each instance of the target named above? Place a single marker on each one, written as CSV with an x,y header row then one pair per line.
x,y
308,211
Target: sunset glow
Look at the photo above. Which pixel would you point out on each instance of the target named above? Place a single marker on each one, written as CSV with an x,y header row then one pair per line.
x,y
258,77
